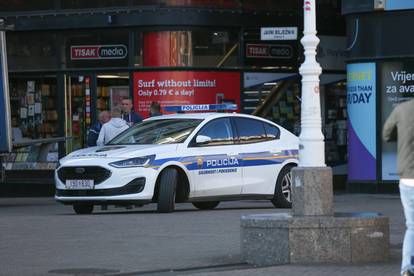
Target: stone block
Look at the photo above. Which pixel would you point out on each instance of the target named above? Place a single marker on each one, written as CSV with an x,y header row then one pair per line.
x,y
275,239
319,245
370,244
265,246
312,191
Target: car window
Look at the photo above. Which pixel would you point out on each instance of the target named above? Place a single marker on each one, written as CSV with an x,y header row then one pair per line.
x,y
272,132
250,130
157,132
219,130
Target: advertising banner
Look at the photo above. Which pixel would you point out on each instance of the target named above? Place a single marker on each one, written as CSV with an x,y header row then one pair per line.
x,y
184,88
361,104
397,85
5,120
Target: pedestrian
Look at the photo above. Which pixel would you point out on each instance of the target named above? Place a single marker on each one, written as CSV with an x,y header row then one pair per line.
x,y
112,128
128,114
400,126
155,109
93,132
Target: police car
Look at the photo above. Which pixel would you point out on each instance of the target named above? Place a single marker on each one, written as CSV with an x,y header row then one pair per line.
x,y
202,158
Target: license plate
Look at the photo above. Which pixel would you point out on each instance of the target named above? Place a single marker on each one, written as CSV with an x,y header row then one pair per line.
x,y
79,184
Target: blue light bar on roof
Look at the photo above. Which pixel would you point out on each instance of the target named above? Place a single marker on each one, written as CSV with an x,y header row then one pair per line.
x,y
200,107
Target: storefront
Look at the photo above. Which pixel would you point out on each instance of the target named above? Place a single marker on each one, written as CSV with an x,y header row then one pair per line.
x,y
379,76
68,65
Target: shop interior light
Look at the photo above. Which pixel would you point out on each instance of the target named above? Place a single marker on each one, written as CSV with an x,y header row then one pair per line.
x,y
112,77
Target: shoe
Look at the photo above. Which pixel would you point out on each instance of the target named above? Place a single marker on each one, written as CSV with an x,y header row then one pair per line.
x,y
408,273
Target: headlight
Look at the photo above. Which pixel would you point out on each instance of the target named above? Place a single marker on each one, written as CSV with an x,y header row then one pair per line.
x,y
133,162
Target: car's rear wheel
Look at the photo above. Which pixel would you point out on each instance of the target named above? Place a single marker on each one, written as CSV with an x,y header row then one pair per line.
x,y
206,205
167,190
83,209
283,190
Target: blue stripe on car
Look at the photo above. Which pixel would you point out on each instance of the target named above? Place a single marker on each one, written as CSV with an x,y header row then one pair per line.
x,y
216,161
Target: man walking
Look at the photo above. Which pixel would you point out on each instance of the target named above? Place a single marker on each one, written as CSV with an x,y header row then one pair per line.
x,y
400,125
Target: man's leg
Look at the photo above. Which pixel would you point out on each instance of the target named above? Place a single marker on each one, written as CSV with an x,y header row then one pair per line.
x,y
407,199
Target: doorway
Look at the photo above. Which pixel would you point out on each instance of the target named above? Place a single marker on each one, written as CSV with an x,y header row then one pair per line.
x,y
111,88
86,95
78,110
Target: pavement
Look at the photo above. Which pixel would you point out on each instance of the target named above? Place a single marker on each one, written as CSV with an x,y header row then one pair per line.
x,y
41,237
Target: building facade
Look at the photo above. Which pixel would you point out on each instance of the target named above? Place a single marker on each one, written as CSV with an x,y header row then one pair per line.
x,y
68,60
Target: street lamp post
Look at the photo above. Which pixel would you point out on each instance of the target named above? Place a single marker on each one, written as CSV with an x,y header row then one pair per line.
x,y
312,149
312,189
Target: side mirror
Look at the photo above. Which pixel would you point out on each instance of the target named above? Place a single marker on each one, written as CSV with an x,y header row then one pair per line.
x,y
202,139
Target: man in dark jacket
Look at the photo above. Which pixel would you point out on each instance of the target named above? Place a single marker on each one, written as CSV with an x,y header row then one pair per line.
x,y
400,125
128,114
93,132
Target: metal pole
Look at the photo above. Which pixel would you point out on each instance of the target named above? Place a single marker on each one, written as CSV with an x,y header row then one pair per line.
x,y
312,147
5,124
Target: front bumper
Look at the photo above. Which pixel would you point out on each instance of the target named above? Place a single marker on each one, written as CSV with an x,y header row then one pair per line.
x,y
123,185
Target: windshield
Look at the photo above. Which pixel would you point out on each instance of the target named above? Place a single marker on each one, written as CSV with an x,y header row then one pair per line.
x,y
164,131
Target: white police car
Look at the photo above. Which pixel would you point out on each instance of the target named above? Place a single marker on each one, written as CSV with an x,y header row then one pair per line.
x,y
202,158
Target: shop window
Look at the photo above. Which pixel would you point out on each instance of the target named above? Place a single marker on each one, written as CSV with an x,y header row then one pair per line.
x,y
335,127
138,52
215,48
20,5
33,105
34,116
198,48
82,4
96,48
31,51
276,99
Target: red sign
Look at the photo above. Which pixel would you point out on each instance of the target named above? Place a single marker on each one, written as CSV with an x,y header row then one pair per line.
x,y
98,52
184,88
257,50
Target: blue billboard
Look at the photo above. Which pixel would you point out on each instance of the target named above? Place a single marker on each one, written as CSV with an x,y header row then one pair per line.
x,y
361,104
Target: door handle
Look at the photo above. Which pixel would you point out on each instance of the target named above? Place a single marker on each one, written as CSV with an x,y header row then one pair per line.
x,y
232,154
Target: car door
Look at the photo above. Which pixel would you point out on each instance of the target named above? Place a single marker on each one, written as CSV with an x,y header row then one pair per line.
x,y
218,171
260,152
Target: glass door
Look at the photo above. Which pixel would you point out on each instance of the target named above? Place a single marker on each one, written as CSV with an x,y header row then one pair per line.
x,y
78,110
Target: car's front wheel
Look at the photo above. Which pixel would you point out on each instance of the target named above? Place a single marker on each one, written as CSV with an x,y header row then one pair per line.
x,y
83,209
206,205
167,191
283,189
